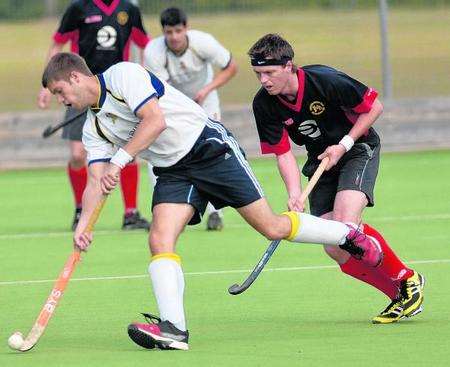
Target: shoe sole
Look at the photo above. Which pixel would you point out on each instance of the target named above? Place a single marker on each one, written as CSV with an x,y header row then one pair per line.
x,y
140,338
149,340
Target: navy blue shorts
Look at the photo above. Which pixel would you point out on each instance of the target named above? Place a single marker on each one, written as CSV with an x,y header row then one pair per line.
x,y
215,170
356,170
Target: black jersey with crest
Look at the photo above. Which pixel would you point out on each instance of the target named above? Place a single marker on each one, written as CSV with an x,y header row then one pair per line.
x,y
327,105
101,31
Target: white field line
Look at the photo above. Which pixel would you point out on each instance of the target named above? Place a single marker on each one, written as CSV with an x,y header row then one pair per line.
x,y
404,218
201,273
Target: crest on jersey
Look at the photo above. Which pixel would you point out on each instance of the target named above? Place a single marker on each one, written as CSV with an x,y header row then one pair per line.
x,y
288,122
122,17
111,116
316,108
106,36
309,128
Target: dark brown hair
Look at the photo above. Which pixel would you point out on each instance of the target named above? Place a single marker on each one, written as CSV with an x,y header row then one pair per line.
x,y
272,46
61,65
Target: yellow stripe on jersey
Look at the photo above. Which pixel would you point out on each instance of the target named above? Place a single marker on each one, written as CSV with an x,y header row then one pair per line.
x,y
167,255
295,224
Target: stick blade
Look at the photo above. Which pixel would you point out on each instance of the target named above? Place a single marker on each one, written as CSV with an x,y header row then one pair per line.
x,y
47,132
235,289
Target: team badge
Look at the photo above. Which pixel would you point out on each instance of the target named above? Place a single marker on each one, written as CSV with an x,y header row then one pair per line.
x,y
316,108
122,17
111,116
288,122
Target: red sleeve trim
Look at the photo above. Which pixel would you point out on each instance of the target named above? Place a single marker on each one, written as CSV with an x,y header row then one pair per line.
x,y
367,102
282,147
62,37
139,37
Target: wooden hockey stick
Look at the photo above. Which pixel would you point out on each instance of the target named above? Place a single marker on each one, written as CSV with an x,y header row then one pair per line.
x,y
57,292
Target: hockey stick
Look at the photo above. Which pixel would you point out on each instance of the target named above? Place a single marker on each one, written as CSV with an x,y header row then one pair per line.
x,y
56,294
50,130
236,288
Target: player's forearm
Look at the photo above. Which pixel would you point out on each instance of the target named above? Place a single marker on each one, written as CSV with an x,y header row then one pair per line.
x,y
146,133
223,76
288,168
366,120
91,195
53,50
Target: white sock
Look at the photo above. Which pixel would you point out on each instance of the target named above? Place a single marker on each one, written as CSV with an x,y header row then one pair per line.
x,y
210,209
310,229
168,287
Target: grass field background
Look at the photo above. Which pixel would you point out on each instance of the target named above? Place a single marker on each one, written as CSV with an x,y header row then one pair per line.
x,y
348,40
304,312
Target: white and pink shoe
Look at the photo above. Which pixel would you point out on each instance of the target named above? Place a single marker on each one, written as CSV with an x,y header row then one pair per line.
x,y
363,247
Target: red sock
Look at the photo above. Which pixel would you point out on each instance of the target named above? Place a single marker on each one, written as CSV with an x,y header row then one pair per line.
x,y
129,180
359,270
78,179
391,266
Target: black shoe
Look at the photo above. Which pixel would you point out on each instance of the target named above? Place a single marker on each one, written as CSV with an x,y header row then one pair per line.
x,y
157,333
215,222
135,221
76,218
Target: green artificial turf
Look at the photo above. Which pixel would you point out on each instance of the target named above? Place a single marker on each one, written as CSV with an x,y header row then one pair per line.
x,y
301,311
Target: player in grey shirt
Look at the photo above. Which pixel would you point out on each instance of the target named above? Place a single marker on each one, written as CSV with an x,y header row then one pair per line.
x,y
185,59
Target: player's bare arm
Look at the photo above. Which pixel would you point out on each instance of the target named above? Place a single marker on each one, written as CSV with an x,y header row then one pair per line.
x,y
288,168
152,124
221,78
44,96
362,124
91,196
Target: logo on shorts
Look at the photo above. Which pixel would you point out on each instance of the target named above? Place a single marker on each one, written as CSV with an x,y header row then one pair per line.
x,y
106,36
316,108
122,17
309,128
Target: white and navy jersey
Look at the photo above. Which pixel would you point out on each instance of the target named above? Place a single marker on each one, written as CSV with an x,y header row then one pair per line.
x,y
101,32
327,105
192,70
124,89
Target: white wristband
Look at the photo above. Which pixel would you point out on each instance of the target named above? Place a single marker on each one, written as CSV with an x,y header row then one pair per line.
x,y
121,158
347,141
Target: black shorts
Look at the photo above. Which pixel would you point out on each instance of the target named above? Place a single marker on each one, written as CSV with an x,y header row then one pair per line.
x,y
357,170
74,130
215,170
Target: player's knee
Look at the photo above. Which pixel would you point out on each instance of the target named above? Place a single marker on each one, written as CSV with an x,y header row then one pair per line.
x,y
159,242
272,233
78,159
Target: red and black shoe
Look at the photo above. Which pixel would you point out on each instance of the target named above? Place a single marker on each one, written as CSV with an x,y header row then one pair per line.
x,y
363,247
157,333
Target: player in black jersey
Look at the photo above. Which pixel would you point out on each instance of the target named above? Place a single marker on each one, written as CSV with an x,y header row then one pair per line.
x,y
331,114
101,31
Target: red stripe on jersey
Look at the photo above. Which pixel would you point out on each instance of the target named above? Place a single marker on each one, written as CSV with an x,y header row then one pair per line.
x,y
126,50
283,146
139,37
301,88
367,102
108,10
73,37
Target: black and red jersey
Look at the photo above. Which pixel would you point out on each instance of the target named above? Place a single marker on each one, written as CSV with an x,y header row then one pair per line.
x,y
101,31
327,105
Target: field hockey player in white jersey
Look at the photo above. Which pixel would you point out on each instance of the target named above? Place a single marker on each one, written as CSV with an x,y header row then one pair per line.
x,y
185,59
132,112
